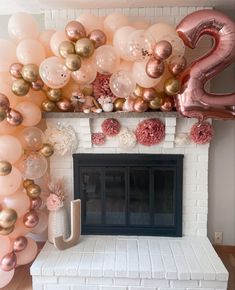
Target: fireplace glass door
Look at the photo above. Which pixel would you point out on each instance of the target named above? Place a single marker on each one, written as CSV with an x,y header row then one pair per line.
x,y
129,193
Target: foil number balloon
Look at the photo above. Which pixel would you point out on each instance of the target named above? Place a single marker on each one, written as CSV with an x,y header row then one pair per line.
x,y
193,100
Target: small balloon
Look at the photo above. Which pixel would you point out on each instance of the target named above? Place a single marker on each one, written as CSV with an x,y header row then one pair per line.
x,y
64,105
118,104
8,262
3,115
8,218
14,117
31,138
5,168
128,106
28,254
19,244
33,190
47,150
140,105
139,91
37,85
27,182
98,37
75,30
20,87
149,94
155,68
177,65
30,219
172,86
54,95
4,102
168,104
30,72
73,62
6,231
162,50
35,203
84,47
122,84
48,106
156,103
15,70
66,48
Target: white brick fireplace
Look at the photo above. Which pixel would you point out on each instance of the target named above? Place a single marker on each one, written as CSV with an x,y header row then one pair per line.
x,y
135,263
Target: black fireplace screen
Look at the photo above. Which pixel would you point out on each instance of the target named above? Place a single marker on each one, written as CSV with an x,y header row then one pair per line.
x,y
129,194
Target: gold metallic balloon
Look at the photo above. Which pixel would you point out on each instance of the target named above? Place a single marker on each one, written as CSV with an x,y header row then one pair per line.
x,y
138,92
47,150
87,90
6,231
171,86
20,87
33,190
54,95
27,182
5,168
8,218
48,106
2,115
84,47
73,62
30,73
66,48
149,94
118,104
156,103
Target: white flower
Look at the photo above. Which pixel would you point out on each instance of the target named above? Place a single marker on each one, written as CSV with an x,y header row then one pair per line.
x,y
126,138
63,139
182,139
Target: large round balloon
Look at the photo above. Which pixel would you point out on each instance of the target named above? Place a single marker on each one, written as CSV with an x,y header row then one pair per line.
x,y
33,166
5,246
120,40
122,84
90,22
5,277
28,254
86,74
22,26
30,51
106,59
31,138
19,230
45,39
10,148
54,73
11,182
7,54
56,39
157,31
6,128
42,224
113,22
31,113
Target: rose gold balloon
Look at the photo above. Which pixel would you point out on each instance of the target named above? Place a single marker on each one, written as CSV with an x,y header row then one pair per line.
x,y
162,50
149,94
128,106
177,65
140,105
20,244
75,30
8,262
14,117
154,68
4,102
168,104
30,219
64,105
193,100
15,70
35,203
98,37
37,85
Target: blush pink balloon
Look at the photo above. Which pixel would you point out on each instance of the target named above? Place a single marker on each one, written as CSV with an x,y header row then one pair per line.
x,y
19,230
106,59
86,74
10,148
6,88
31,113
11,182
113,22
45,39
22,26
5,277
5,246
159,30
42,224
6,128
120,40
28,254
125,65
19,201
30,51
122,84
140,24
140,76
7,54
31,138
54,73
34,97
56,39
91,22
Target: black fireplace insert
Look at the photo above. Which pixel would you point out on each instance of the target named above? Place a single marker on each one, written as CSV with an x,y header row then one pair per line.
x,y
129,194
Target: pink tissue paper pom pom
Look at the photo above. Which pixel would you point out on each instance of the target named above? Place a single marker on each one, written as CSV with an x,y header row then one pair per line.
x,y
201,133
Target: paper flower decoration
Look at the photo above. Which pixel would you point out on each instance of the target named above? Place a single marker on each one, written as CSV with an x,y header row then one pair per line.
x,y
126,139
111,127
98,138
201,133
150,132
101,86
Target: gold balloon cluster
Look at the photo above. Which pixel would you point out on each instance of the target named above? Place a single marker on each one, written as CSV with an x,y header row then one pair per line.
x,y
55,100
8,218
25,77
79,44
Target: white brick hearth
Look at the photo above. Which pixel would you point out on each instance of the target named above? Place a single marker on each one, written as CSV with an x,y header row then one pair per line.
x,y
130,263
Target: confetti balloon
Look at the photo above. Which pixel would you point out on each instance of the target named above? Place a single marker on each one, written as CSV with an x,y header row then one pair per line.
x,y
31,138
54,73
86,74
120,41
122,84
106,59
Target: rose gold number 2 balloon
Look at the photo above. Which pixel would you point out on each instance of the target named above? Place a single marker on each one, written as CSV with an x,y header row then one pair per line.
x,y
193,100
